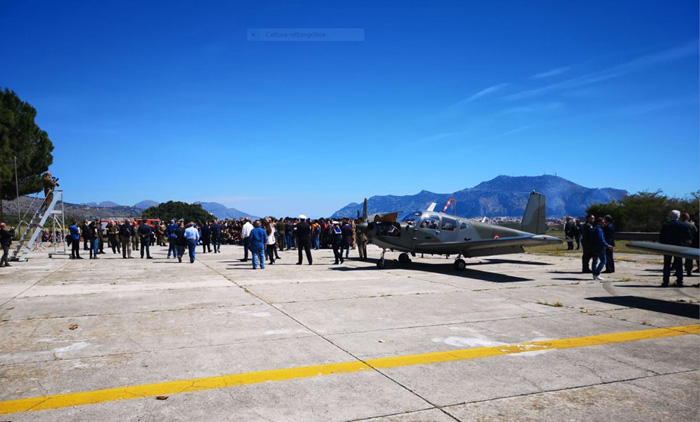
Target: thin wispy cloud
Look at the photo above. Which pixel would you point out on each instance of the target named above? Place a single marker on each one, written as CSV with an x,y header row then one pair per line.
x,y
648,107
512,131
673,54
483,93
550,73
437,137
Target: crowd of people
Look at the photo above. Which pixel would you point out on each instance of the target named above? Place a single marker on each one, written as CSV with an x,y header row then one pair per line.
x,y
597,238
262,238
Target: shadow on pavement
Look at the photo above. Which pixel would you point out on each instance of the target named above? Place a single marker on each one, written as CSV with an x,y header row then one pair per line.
x,y
514,261
445,269
688,310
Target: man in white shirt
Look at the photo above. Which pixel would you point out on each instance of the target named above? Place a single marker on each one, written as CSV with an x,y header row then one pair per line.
x,y
192,236
245,235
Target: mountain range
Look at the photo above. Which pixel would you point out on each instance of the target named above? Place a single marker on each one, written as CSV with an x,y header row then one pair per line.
x,y
501,196
217,209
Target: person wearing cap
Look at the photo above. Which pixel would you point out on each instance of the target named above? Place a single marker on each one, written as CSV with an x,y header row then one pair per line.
x,y
609,233
304,239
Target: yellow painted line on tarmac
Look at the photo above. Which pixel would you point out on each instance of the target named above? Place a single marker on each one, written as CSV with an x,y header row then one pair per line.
x,y
210,383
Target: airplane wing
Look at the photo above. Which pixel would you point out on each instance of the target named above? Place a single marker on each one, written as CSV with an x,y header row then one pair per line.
x,y
680,251
483,247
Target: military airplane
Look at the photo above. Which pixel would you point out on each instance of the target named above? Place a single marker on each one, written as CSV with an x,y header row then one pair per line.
x,y
439,233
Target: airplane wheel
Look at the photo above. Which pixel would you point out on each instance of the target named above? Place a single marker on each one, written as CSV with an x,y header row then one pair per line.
x,y
460,265
381,264
404,259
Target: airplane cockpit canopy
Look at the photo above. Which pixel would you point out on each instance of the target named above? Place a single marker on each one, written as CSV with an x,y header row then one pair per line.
x,y
411,218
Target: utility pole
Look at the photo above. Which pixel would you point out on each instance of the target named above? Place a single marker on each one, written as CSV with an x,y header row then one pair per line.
x,y
17,186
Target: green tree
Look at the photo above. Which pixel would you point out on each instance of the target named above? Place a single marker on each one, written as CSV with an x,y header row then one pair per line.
x,y
20,137
645,211
176,210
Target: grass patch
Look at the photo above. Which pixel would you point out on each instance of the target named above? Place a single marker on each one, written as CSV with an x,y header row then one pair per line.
x,y
556,304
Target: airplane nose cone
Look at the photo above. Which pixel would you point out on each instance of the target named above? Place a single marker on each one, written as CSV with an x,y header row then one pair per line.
x,y
363,227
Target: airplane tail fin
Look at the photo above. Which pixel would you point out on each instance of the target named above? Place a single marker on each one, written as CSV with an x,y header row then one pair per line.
x,y
534,217
364,211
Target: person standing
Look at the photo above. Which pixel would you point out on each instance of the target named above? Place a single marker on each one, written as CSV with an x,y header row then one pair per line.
x,y
192,237
347,238
113,236
171,235
689,263
271,240
569,234
316,235
206,237
96,238
87,235
136,239
160,233
337,242
216,236
587,237
101,234
75,240
144,232
245,234
676,233
180,240
258,240
5,241
577,233
126,231
289,233
609,233
279,225
303,230
361,243
599,247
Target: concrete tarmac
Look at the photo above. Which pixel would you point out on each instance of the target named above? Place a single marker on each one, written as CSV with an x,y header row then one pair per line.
x,y
517,337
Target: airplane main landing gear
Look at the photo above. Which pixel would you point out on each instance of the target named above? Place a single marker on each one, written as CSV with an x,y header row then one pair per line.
x,y
404,259
460,265
381,264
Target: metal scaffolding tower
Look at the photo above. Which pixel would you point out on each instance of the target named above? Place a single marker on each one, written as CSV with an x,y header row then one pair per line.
x,y
36,224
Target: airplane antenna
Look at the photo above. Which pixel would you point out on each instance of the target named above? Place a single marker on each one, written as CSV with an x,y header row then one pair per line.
x,y
447,205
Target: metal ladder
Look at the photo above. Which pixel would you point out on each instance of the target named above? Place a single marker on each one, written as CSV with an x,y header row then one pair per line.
x,y
36,223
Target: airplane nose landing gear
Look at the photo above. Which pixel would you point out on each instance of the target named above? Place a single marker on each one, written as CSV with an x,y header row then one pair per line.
x,y
381,264
460,265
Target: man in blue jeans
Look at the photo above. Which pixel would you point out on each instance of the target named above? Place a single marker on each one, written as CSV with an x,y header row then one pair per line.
x,y
257,241
599,248
192,236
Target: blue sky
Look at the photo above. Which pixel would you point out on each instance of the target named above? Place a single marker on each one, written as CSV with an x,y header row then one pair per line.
x,y
171,100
